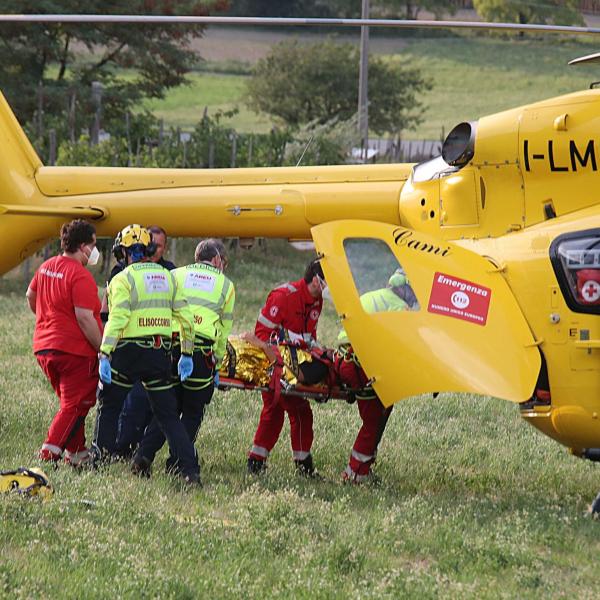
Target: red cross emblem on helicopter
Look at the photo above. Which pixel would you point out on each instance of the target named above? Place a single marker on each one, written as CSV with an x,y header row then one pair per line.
x,y
590,291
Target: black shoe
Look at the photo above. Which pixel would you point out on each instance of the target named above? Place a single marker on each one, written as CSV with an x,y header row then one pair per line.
x,y
190,481
305,467
256,466
141,466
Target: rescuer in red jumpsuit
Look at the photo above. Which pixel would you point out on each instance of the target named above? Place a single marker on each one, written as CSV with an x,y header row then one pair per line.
x,y
373,414
290,314
398,295
68,331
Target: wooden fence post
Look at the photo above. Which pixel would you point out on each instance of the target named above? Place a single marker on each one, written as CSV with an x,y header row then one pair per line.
x,y
71,115
250,151
97,101
128,135
233,149
211,153
40,111
52,147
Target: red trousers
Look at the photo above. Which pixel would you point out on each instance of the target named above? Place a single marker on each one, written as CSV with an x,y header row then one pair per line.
x,y
74,379
374,419
271,423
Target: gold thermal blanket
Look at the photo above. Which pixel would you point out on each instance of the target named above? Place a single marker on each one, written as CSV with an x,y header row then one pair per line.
x,y
248,363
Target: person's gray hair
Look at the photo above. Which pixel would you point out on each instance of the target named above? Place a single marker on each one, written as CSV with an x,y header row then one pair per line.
x,y
207,249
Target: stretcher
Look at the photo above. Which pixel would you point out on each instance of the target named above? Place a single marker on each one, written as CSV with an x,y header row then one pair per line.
x,y
318,392
288,370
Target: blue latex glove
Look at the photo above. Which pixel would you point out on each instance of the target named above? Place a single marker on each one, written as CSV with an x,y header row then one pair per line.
x,y
216,379
104,370
185,366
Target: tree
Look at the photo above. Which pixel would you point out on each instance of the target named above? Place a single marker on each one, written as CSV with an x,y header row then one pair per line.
x,y
299,84
410,9
557,12
282,8
49,67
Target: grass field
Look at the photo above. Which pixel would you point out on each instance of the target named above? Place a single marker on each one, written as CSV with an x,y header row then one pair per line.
x,y
472,503
472,76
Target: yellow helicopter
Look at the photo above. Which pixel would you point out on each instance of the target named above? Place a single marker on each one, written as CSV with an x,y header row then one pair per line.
x,y
499,238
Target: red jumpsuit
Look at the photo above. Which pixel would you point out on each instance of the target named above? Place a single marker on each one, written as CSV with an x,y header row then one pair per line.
x,y
289,314
374,419
63,352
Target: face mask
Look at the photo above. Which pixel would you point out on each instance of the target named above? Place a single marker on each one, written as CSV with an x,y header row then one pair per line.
x,y
323,285
327,294
93,257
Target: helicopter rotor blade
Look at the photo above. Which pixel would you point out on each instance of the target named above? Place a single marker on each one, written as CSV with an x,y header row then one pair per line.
x,y
295,22
590,58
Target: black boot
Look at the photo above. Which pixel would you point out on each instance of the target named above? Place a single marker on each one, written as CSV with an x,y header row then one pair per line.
x,y
141,466
256,466
305,467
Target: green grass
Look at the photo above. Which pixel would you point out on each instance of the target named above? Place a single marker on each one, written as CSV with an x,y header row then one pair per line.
x,y
473,503
471,76
184,106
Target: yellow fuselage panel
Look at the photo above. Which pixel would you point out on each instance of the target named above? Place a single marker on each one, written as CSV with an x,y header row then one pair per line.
x,y
77,181
573,366
546,153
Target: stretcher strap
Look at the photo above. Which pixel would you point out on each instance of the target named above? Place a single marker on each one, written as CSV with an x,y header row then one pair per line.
x,y
276,374
232,363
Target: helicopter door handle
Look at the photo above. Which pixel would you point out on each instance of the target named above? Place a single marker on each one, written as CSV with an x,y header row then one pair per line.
x,y
237,210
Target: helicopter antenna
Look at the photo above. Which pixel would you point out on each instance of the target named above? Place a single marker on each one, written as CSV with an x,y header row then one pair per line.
x,y
304,151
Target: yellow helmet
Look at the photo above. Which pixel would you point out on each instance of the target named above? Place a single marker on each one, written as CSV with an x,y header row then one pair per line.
x,y
134,234
28,482
130,236
397,280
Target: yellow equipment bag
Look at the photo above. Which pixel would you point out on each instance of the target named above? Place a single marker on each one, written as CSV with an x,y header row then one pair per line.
x,y
28,482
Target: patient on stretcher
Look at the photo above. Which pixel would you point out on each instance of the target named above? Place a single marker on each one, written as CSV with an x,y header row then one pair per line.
x,y
251,360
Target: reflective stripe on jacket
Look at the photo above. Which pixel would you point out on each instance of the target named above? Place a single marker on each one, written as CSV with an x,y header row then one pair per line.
x,y
143,300
211,296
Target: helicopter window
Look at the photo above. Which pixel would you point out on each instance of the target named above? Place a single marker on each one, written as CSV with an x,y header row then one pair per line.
x,y
576,261
380,279
432,169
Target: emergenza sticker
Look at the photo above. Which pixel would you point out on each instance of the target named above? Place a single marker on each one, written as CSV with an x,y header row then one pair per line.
x,y
459,298
203,282
156,283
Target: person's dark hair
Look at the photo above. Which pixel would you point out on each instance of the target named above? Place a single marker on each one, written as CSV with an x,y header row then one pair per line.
x,y
207,249
157,229
313,268
75,233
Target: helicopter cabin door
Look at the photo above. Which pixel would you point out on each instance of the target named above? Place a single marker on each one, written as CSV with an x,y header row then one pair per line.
x,y
424,315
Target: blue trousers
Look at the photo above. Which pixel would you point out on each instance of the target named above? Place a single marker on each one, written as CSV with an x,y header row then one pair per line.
x,y
133,420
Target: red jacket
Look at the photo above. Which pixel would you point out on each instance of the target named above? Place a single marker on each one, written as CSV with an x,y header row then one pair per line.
x,y
290,313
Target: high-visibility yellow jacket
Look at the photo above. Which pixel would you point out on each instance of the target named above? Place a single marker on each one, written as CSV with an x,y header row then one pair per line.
x,y
143,300
381,300
211,296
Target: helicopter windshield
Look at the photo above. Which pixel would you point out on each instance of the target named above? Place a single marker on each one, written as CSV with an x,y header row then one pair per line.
x,y
432,169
